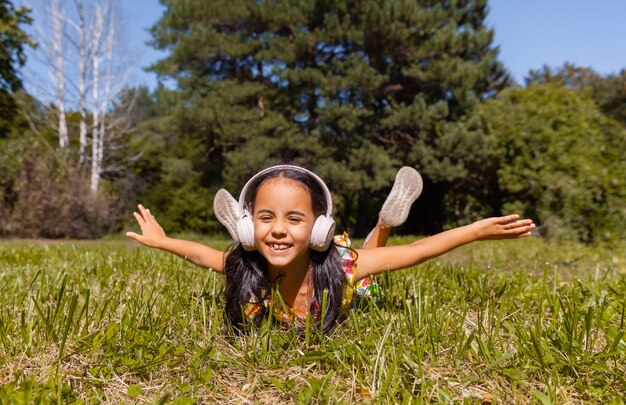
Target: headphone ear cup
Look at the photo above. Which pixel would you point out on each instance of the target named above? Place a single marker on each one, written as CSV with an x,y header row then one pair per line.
x,y
322,233
245,229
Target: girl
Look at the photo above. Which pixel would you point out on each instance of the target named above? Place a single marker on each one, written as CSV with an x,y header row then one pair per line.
x,y
285,241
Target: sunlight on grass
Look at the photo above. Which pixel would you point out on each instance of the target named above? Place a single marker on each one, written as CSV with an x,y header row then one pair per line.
x,y
514,322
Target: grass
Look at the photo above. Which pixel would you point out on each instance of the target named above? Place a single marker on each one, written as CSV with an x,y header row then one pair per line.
x,y
500,322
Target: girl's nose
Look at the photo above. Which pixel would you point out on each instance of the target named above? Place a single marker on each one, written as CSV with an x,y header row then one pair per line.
x,y
278,228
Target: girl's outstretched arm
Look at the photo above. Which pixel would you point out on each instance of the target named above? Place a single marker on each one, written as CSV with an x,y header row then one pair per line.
x,y
153,235
378,260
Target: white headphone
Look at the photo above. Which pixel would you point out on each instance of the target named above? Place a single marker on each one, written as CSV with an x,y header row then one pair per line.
x,y
323,228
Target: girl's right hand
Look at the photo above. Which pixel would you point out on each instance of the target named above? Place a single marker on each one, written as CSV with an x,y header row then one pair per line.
x,y
507,227
152,232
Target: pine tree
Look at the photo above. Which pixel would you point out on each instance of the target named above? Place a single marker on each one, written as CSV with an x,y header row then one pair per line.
x,y
352,89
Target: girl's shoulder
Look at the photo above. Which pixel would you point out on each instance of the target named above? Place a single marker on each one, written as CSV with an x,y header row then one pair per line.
x,y
347,254
364,288
343,245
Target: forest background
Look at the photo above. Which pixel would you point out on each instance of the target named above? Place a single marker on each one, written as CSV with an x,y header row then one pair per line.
x,y
350,89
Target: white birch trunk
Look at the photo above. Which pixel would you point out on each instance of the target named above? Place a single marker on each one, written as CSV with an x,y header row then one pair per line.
x,y
106,99
82,80
58,50
96,160
95,132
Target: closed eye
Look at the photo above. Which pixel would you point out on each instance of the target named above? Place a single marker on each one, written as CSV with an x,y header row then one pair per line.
x,y
264,215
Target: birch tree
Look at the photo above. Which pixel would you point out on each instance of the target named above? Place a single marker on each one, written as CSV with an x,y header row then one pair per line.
x,y
52,53
83,59
96,151
55,6
103,44
80,44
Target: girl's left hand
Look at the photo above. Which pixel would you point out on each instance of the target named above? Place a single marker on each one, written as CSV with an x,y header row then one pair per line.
x,y
151,232
507,227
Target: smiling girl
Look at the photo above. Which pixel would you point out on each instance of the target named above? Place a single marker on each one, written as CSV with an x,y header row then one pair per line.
x,y
284,241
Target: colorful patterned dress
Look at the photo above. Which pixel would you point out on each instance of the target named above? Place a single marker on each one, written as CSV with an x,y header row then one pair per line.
x,y
352,294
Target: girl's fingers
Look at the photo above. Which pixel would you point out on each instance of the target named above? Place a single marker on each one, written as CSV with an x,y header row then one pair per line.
x,y
139,238
508,218
518,224
139,218
525,230
133,235
152,218
510,225
144,213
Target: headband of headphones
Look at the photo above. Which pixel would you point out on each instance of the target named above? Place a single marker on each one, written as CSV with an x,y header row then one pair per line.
x,y
246,193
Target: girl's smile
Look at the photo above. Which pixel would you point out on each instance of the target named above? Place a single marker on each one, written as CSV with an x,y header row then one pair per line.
x,y
283,220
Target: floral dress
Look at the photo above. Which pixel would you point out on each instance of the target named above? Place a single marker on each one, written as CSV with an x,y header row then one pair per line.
x,y
352,293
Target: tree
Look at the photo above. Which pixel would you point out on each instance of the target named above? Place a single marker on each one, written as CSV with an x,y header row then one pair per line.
x,y
12,42
167,168
80,45
83,66
353,89
609,92
559,161
57,18
37,176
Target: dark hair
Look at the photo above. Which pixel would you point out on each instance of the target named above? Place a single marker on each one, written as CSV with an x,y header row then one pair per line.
x,y
246,271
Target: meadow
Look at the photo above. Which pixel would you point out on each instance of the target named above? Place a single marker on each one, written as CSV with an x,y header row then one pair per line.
x,y
495,322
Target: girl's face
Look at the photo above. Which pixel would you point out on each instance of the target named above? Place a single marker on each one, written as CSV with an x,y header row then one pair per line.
x,y
283,219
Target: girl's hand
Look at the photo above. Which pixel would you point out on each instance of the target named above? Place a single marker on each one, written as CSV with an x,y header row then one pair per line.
x,y
508,227
152,232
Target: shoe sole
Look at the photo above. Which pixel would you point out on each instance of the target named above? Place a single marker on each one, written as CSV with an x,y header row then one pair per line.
x,y
226,209
406,189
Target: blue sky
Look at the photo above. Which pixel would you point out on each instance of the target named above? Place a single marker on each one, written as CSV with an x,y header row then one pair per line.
x,y
530,33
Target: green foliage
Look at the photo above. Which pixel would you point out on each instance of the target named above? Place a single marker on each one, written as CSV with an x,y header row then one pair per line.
x,y
107,321
609,92
168,171
184,205
352,89
560,162
12,42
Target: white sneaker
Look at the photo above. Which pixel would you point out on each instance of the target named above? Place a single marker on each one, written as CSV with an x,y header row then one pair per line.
x,y
226,210
406,188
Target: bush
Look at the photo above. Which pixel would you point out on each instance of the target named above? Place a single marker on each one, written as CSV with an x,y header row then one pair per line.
x,y
43,196
560,162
